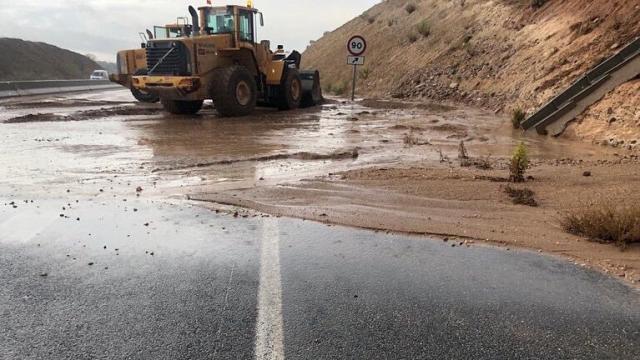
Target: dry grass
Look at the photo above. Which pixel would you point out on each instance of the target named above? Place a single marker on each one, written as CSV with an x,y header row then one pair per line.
x,y
606,223
523,196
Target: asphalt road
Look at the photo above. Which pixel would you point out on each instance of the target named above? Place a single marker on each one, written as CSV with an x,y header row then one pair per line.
x,y
198,285
92,269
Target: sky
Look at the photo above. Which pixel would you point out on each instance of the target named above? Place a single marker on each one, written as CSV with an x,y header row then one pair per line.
x,y
102,27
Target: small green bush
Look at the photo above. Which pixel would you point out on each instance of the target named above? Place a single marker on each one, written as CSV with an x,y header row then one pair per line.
x,y
410,8
517,117
424,28
519,164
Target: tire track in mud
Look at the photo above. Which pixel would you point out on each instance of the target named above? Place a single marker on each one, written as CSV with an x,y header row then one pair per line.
x,y
303,155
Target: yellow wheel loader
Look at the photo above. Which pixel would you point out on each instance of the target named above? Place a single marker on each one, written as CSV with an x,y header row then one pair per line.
x,y
133,62
223,62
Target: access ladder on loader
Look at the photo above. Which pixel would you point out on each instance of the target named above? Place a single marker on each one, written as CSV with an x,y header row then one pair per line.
x,y
618,69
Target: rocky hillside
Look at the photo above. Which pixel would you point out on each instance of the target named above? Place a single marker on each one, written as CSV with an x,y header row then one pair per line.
x,y
499,54
26,60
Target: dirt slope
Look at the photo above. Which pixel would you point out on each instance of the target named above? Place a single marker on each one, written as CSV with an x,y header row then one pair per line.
x,y
26,60
494,54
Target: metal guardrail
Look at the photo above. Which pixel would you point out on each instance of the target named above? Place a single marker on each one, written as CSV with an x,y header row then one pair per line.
x,y
582,86
25,88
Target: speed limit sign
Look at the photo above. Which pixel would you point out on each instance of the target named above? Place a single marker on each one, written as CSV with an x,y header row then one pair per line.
x,y
357,45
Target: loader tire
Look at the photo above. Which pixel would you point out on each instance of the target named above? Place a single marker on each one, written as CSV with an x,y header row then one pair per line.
x,y
178,107
290,93
234,91
140,95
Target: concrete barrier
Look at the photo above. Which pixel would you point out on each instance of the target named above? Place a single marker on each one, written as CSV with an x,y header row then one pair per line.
x,y
7,90
26,88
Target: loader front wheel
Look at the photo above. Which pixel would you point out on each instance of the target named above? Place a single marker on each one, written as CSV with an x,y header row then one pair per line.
x,y
290,91
234,91
140,95
178,107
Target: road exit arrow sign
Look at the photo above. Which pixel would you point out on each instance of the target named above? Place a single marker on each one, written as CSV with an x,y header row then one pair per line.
x,y
355,60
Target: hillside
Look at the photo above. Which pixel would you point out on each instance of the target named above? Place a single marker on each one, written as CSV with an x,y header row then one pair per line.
x,y
26,60
493,54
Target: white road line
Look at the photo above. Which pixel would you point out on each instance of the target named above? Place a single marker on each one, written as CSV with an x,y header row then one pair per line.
x,y
24,226
270,327
224,309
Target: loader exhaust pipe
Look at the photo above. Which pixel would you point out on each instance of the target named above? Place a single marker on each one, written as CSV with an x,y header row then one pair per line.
x,y
195,19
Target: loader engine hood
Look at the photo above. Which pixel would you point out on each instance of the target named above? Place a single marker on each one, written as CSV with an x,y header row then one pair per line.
x,y
168,58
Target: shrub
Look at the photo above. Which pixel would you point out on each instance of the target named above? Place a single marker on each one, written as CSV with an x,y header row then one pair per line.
x,y
364,73
537,3
521,196
519,164
412,37
339,88
605,223
423,28
391,22
410,8
517,117
371,19
328,88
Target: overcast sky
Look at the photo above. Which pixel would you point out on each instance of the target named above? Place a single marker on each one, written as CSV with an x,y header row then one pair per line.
x,y
102,27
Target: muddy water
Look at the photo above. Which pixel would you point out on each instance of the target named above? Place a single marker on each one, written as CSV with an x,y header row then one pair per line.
x,y
91,141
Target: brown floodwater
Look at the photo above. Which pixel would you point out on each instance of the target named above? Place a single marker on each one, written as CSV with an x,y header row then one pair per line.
x,y
85,142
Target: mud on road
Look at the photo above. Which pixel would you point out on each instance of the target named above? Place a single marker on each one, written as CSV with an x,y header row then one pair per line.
x,y
375,164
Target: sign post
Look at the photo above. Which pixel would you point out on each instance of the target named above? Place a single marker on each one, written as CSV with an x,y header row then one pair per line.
x,y
356,46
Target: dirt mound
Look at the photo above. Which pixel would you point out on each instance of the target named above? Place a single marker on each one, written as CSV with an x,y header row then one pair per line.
x,y
86,114
26,60
336,155
493,54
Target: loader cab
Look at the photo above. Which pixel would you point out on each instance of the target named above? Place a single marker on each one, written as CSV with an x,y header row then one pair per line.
x,y
238,21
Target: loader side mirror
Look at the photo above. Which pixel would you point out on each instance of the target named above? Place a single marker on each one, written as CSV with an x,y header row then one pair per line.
x,y
261,19
143,45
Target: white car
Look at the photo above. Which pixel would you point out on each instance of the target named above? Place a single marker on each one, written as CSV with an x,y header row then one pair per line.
x,y
99,75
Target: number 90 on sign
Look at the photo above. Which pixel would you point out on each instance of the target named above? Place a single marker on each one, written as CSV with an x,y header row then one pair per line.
x,y
357,45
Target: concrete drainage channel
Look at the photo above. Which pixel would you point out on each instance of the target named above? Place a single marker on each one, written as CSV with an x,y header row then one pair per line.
x,y
10,89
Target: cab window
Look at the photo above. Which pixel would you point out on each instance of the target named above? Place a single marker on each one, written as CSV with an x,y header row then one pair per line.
x,y
246,25
160,32
175,33
220,21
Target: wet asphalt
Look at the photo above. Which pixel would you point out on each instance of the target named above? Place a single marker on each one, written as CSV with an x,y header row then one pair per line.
x,y
105,272
186,287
